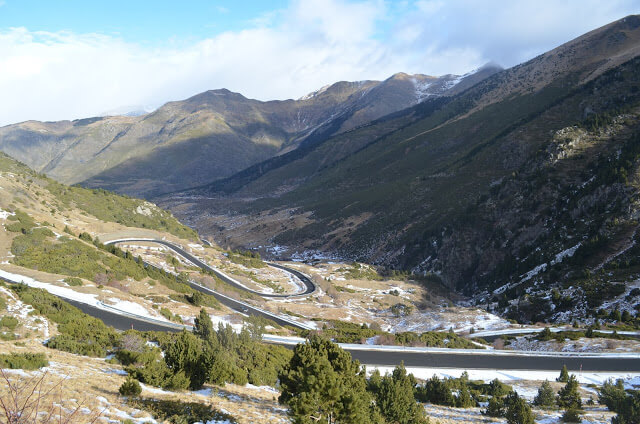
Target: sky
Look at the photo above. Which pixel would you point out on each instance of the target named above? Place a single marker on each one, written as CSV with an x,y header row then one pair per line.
x,y
69,59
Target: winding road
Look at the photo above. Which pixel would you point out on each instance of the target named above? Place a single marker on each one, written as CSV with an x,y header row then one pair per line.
x,y
310,287
386,355
230,302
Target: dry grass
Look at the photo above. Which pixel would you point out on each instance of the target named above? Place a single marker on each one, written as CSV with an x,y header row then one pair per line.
x,y
93,383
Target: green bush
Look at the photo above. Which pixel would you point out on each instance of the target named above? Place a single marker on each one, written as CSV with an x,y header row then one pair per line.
x,y
77,259
111,207
546,397
23,222
359,272
130,387
9,322
79,333
571,415
6,336
246,258
569,397
24,361
612,394
73,281
170,315
177,412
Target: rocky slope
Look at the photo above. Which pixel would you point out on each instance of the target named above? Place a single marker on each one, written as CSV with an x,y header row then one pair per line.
x,y
486,187
208,136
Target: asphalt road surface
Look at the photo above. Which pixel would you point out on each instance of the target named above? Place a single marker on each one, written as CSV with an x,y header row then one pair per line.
x,y
467,360
309,286
501,362
422,359
234,304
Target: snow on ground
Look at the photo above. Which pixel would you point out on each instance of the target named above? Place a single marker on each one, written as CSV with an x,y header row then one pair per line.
x,y
86,298
265,388
22,311
130,307
620,302
632,383
116,371
4,214
535,271
225,320
525,391
203,392
421,89
474,415
565,253
155,390
123,416
511,376
581,345
295,282
460,320
392,290
276,250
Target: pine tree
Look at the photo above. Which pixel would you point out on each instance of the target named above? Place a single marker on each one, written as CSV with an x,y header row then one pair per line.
x,y
545,335
546,397
374,382
495,408
568,396
629,410
464,399
130,387
612,395
186,354
564,375
322,383
498,388
395,398
203,326
436,391
571,415
518,410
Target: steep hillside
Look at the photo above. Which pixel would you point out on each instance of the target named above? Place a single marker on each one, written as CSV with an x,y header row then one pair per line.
x,y
208,136
481,187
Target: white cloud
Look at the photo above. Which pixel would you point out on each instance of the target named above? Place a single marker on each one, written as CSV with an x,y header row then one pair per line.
x,y
510,32
285,54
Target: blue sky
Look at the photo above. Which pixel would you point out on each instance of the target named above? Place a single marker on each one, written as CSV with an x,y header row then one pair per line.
x,y
68,59
151,22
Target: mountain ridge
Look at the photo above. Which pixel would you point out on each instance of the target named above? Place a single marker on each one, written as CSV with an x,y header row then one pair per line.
x,y
441,187
210,135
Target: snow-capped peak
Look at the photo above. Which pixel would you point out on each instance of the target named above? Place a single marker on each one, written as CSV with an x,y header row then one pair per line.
x,y
315,93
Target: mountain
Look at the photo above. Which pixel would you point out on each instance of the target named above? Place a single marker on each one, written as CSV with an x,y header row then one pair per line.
x,y
524,181
209,136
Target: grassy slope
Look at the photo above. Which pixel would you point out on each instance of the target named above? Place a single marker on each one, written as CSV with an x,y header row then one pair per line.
x,y
475,193
101,204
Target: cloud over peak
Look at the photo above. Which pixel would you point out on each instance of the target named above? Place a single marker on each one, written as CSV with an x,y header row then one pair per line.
x,y
66,75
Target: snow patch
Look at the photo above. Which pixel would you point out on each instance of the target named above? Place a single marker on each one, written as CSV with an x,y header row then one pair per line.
x,y
535,271
565,253
4,214
143,210
87,298
265,388
315,93
425,373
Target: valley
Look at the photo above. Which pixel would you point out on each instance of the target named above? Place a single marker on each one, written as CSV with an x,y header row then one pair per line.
x,y
464,246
